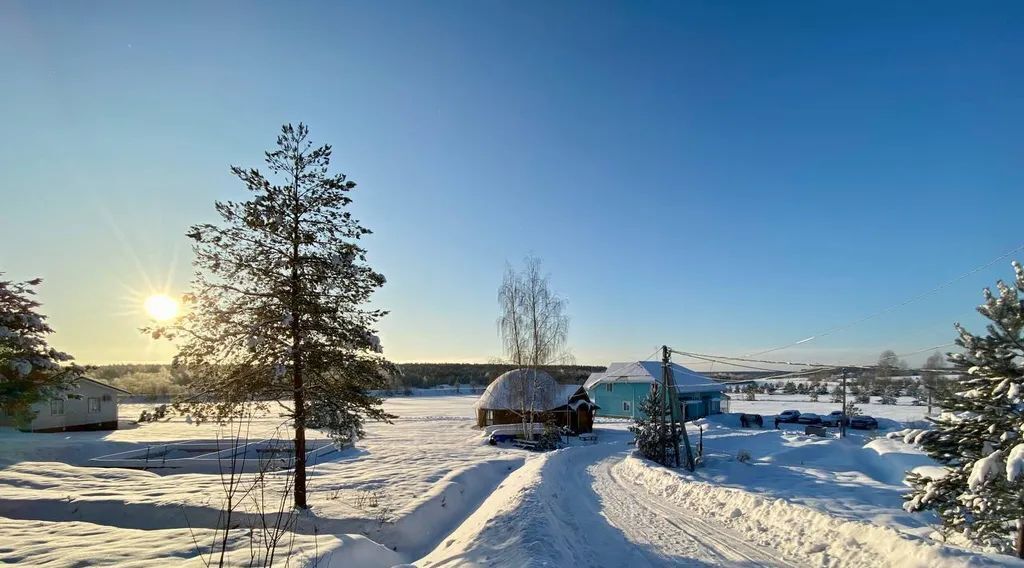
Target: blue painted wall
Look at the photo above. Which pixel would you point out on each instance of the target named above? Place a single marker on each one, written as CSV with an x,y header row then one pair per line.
x,y
622,400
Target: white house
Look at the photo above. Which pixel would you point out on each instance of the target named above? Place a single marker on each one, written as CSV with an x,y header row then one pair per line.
x,y
92,405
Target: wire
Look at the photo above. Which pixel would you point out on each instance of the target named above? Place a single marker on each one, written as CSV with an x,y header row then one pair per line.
x,y
926,349
816,367
883,311
770,362
785,374
714,360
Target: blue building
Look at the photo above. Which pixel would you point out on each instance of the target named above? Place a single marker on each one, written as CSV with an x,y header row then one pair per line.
x,y
620,389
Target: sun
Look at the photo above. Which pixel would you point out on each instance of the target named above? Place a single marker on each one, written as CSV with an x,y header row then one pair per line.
x,y
161,307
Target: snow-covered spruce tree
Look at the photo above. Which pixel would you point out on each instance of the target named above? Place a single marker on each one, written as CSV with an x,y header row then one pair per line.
x,y
30,370
978,436
277,310
654,438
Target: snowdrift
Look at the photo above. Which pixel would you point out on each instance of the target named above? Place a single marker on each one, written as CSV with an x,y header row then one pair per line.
x,y
798,531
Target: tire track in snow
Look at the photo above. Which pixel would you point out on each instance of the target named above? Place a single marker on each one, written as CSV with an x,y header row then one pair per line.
x,y
672,531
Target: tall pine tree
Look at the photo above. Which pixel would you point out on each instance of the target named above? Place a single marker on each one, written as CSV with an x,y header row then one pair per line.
x,y
978,436
30,370
277,313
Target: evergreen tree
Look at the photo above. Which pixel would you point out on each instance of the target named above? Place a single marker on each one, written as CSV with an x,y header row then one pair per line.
x,y
837,394
750,392
851,409
888,395
30,370
654,439
978,436
277,310
813,395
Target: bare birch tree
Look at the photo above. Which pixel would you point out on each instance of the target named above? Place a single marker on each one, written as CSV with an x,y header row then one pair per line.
x,y
534,330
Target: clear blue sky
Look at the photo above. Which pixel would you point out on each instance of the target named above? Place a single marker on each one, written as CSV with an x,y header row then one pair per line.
x,y
719,176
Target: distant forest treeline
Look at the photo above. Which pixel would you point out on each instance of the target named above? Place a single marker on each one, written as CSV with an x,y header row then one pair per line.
x,y
426,375
163,380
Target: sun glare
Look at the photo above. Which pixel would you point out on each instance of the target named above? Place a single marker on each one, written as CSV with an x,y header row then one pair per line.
x,y
161,307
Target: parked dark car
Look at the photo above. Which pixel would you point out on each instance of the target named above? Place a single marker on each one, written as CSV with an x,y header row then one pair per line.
x,y
809,418
789,415
863,423
748,420
834,418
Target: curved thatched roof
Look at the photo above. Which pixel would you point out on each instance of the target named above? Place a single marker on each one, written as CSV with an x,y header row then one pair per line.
x,y
522,388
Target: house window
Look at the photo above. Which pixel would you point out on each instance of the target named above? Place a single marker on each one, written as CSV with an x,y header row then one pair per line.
x,y
94,406
57,407
608,387
627,406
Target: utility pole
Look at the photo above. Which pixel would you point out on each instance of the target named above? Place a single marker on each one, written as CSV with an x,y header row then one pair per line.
x,y
842,417
673,399
661,409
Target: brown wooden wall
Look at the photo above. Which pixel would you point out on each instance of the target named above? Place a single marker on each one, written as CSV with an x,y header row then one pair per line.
x,y
580,421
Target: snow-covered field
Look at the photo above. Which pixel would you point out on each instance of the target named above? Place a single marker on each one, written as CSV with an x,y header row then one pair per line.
x,y
428,490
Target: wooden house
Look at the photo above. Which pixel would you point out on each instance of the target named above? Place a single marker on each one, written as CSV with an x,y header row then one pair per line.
x,y
536,397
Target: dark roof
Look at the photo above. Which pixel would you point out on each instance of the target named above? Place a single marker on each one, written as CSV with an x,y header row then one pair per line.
x,y
102,384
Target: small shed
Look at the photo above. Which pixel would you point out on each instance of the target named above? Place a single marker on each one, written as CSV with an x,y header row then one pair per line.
x,y
620,389
510,398
91,405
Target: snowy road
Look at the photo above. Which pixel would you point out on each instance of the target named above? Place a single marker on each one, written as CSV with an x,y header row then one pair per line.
x,y
579,506
668,532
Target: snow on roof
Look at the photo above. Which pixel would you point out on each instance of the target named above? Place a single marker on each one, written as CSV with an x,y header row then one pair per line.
x,y
517,389
565,392
685,379
581,402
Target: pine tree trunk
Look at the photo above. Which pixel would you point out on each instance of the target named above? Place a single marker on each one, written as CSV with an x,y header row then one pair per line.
x,y
297,386
1020,538
300,433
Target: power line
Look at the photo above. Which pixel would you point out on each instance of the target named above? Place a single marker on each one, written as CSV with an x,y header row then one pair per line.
x,y
714,360
926,349
893,307
815,367
767,361
784,375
